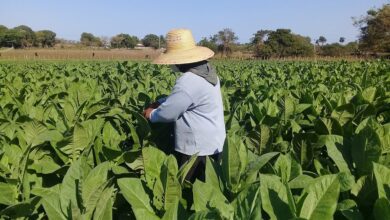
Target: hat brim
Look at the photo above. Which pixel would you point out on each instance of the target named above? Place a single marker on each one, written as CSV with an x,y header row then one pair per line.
x,y
193,55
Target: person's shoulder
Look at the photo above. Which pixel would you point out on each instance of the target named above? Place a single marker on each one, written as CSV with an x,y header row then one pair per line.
x,y
189,78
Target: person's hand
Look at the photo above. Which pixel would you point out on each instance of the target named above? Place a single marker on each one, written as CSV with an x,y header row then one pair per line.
x,y
146,112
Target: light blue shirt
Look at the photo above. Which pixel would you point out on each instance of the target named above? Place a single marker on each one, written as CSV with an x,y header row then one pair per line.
x,y
195,106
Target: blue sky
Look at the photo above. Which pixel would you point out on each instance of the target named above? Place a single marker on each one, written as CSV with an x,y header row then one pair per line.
x,y
330,18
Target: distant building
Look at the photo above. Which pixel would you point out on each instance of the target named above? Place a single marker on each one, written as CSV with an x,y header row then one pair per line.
x,y
140,46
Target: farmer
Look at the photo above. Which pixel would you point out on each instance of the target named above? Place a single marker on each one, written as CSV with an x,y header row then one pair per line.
x,y
194,105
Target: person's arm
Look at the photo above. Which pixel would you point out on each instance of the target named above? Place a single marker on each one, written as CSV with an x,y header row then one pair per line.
x,y
162,100
173,107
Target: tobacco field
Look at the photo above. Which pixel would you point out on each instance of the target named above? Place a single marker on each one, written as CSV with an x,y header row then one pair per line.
x,y
305,140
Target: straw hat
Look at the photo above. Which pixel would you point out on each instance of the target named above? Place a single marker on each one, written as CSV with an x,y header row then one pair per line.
x,y
181,49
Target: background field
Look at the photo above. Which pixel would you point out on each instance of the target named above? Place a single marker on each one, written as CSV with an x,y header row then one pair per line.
x,y
304,139
78,54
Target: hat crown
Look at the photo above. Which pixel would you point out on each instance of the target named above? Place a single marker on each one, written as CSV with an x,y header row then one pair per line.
x,y
179,39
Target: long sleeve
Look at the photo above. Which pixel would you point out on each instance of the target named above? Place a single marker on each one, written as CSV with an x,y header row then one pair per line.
x,y
162,100
174,106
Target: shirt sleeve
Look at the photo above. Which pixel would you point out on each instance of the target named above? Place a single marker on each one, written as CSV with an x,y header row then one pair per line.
x,y
162,100
173,107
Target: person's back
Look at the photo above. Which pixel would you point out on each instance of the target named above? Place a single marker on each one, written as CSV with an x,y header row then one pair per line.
x,y
200,129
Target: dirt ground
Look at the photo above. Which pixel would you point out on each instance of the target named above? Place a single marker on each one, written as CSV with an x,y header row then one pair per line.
x,y
78,54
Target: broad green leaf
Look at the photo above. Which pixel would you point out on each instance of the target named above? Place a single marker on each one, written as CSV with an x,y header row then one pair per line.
x,y
333,143
172,212
93,188
288,107
271,108
382,209
69,112
170,182
384,135
247,204
45,165
35,133
347,181
343,114
366,149
291,201
349,210
134,160
321,199
143,128
325,126
382,177
153,162
302,107
95,178
50,198
369,94
303,145
365,191
83,136
283,168
111,137
135,195
8,194
231,164
71,183
300,181
207,196
21,209
213,173
104,206
274,197
254,166
265,138
205,215
287,168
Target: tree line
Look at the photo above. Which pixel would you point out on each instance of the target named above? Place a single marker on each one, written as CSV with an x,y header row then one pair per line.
x,y
374,38
122,41
23,36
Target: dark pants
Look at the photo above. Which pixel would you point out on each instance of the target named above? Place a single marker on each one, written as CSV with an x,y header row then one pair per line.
x,y
198,169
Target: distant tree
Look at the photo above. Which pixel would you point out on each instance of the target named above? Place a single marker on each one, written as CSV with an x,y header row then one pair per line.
x,y
3,28
28,35
116,42
336,49
259,37
342,40
333,50
283,43
322,40
12,38
210,43
226,38
375,30
353,48
45,38
124,41
151,40
88,39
